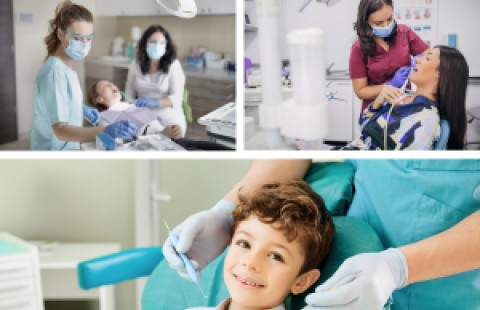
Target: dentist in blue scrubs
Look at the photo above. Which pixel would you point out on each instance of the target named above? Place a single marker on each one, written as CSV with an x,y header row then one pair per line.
x,y
426,212
58,100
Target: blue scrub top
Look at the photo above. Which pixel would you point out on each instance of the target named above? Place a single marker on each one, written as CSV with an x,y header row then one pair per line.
x,y
406,201
57,98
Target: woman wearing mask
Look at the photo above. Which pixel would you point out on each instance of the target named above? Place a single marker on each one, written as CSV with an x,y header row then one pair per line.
x,y
58,99
381,57
156,77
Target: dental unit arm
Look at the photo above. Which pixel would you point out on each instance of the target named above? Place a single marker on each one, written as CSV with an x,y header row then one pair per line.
x,y
326,2
305,116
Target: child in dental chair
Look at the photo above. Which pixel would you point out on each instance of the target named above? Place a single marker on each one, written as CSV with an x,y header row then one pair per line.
x,y
281,235
106,97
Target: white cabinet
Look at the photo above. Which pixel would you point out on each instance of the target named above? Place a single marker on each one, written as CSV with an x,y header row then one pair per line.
x,y
151,8
340,111
20,286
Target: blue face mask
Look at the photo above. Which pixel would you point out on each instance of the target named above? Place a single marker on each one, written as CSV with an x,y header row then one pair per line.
x,y
383,31
78,50
156,51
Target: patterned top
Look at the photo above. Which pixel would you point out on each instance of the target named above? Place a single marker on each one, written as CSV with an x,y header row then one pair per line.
x,y
413,126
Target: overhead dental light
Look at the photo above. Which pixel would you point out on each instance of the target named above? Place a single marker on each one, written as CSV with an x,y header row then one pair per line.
x,y
180,8
327,3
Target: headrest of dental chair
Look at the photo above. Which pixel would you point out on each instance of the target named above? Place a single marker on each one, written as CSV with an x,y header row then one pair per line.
x,y
444,134
166,290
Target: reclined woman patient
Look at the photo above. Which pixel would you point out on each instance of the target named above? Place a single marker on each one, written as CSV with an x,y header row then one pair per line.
x,y
106,97
441,77
281,235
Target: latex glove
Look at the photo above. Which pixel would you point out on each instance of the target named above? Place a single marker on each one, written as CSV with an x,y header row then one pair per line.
x,y
400,77
382,273
91,113
146,102
203,237
122,129
413,64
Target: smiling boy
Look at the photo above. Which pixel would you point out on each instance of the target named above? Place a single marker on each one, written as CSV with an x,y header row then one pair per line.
x,y
281,235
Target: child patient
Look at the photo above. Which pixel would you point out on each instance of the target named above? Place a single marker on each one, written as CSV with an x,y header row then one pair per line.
x,y
105,96
281,235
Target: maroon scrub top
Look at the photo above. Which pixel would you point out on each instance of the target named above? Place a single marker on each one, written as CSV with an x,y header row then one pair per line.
x,y
382,67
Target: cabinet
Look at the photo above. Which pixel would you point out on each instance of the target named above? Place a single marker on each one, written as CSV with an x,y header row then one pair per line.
x,y
340,111
20,287
151,8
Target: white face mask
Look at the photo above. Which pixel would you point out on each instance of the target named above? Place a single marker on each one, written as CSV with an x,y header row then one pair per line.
x,y
156,50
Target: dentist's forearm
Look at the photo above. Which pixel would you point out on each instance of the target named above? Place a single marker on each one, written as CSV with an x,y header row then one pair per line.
x,y
263,171
165,103
451,252
66,132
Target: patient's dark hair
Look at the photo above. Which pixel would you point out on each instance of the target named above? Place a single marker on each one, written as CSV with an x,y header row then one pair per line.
x,y
365,31
297,211
92,98
451,93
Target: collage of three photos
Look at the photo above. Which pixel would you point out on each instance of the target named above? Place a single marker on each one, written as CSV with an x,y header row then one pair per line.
x,y
102,212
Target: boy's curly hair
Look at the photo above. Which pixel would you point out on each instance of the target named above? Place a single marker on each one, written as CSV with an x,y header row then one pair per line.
x,y
297,211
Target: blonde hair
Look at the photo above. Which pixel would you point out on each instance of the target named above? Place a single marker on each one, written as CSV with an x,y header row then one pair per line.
x,y
65,14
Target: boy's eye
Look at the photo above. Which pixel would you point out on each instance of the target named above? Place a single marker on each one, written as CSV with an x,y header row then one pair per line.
x,y
243,244
277,257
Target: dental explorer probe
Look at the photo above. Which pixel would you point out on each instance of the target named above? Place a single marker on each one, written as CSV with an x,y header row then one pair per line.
x,y
188,265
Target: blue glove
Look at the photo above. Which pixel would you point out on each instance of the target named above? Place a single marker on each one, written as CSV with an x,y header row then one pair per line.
x,y
92,114
400,77
380,275
122,129
202,237
146,102
414,60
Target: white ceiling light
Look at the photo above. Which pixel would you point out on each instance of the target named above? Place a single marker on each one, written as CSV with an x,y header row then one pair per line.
x,y
180,8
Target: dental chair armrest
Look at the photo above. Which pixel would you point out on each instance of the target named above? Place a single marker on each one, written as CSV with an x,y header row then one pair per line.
x,y
118,267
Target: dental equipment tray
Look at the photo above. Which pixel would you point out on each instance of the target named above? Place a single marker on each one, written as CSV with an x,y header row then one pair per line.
x,y
221,123
156,142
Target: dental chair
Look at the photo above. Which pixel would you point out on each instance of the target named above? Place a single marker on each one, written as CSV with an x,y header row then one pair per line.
x,y
444,134
165,289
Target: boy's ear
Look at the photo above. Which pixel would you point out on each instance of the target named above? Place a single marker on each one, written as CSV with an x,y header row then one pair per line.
x,y
99,99
305,280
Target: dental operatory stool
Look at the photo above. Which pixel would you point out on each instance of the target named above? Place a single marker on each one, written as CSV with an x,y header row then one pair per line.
x,y
474,114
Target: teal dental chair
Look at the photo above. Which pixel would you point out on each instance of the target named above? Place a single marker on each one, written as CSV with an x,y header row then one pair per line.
x,y
165,289
444,134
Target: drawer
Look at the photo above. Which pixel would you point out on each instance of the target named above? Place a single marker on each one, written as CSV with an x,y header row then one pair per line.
x,y
23,303
213,84
103,72
216,94
17,288
15,270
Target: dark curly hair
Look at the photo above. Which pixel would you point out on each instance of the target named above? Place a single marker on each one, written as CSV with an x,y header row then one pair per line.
x,y
299,212
166,60
365,31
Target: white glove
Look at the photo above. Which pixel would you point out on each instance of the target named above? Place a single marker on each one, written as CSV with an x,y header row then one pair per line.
x,y
202,237
381,274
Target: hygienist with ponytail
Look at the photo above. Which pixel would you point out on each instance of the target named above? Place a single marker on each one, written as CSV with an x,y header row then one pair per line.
x,y
156,77
58,107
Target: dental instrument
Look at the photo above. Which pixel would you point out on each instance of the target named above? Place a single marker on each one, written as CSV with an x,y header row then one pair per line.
x,y
125,96
327,3
188,265
345,280
385,131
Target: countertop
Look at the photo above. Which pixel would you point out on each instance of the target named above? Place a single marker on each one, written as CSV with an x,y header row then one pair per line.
x,y
215,74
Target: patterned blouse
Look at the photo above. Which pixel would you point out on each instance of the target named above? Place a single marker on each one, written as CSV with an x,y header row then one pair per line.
x,y
413,126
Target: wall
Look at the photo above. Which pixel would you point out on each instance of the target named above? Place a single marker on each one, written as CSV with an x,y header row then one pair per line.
x,y
205,181
71,201
217,33
30,51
